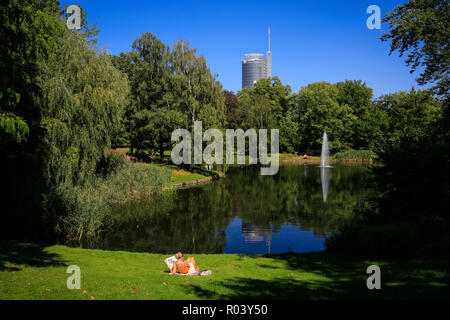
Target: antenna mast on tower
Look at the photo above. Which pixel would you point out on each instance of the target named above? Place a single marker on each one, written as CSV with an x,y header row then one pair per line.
x,y
269,61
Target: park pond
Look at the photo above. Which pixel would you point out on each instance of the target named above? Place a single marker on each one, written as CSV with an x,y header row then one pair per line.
x,y
293,211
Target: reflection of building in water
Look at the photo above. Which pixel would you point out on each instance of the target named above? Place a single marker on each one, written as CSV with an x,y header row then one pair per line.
x,y
252,233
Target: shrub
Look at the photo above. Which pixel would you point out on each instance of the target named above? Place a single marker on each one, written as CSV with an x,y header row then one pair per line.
x,y
355,154
110,163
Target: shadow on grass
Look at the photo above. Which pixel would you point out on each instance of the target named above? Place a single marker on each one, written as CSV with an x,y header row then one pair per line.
x,y
325,276
14,254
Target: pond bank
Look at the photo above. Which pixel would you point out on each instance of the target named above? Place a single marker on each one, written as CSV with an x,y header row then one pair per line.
x,y
33,271
331,160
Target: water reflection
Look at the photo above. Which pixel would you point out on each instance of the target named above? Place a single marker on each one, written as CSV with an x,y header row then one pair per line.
x,y
324,180
244,213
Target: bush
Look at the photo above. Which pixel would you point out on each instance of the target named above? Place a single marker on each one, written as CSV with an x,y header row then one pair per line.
x,y
110,163
355,154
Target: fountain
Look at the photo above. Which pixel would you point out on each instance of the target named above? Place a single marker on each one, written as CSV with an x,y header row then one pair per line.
x,y
325,155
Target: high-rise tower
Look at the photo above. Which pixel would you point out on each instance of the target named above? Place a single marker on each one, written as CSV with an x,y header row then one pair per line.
x,y
255,67
269,61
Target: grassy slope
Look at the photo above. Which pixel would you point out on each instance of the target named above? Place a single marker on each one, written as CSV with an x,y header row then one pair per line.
x,y
179,175
30,271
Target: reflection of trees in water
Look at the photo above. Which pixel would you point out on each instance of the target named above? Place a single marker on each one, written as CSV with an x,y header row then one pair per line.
x,y
182,221
295,197
194,220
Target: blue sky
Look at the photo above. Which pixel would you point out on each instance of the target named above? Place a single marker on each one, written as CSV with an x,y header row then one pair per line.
x,y
310,40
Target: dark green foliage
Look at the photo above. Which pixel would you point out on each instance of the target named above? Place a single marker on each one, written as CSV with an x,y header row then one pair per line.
x,y
355,154
14,129
61,102
110,163
421,29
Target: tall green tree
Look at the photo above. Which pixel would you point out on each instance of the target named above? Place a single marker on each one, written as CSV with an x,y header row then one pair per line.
x,y
198,91
271,91
266,106
27,31
60,102
368,128
84,97
169,89
317,110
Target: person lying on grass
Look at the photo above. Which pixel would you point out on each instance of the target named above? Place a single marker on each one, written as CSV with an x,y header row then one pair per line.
x,y
182,266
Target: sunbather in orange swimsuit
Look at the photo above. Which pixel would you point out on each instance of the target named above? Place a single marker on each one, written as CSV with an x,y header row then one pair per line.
x,y
181,266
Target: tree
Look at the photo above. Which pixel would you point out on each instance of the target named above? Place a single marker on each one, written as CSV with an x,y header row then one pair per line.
x,y
231,103
152,129
410,115
289,133
421,29
274,92
367,129
199,94
317,110
169,90
27,30
266,106
356,95
84,96
60,101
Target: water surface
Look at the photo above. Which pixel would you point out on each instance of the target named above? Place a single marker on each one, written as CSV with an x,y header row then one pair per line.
x,y
293,211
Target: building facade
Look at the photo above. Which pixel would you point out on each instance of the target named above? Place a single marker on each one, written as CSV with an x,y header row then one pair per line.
x,y
253,69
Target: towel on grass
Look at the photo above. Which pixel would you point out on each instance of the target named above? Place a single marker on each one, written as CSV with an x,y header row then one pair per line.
x,y
196,273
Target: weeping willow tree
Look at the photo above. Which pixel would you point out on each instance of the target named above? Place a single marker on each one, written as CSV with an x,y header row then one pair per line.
x,y
83,100
60,103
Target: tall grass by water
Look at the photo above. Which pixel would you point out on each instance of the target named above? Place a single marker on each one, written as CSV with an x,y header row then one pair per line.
x,y
88,208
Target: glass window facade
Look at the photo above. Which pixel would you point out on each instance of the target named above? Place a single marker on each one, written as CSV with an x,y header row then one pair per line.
x,y
253,69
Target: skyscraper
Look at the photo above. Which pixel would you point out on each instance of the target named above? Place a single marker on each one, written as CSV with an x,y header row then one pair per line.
x,y
255,67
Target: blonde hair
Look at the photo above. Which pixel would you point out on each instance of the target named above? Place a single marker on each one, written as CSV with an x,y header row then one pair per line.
x,y
178,255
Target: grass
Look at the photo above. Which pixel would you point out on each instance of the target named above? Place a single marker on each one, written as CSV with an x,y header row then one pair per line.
x,y
32,271
180,175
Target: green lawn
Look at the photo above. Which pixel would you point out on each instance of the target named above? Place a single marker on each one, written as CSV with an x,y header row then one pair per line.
x,y
31,271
